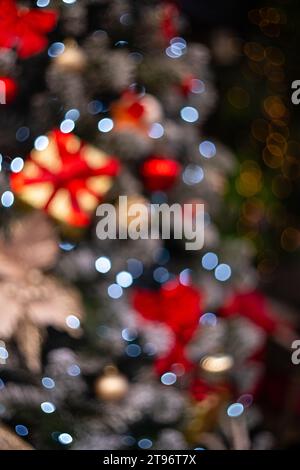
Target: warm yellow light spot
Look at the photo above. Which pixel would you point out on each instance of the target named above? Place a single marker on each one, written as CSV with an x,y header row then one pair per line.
x,y
37,195
217,364
99,184
94,157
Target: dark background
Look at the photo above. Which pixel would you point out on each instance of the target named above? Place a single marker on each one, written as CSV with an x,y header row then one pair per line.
x,y
205,17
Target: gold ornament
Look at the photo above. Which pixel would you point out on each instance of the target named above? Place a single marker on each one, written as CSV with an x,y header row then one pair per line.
x,y
136,113
72,58
204,414
216,366
30,300
112,386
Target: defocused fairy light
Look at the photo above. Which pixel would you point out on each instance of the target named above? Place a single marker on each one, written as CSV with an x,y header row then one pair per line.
x,y
135,267
3,353
180,42
208,319
169,378
193,174
197,86
150,349
126,19
66,246
156,131
17,165
105,125
223,272
65,438
7,199
22,134
73,370
124,279
48,407
145,444
137,57
103,265
72,114
161,275
67,126
207,149
42,3
21,430
56,49
73,322
133,350
129,334
115,291
41,143
121,44
129,440
48,382
189,114
210,261
235,410
174,52
185,277
95,107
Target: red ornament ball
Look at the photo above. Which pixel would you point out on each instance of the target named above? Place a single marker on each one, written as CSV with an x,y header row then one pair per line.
x,y
8,90
160,173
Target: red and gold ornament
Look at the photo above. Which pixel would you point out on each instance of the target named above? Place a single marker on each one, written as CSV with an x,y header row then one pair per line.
x,y
67,179
136,112
24,29
160,173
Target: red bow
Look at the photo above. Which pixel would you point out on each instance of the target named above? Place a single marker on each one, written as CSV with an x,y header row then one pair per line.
x,y
24,29
67,167
179,308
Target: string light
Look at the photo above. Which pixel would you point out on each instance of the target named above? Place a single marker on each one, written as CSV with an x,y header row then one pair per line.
x,y
103,265
48,407
168,378
17,165
7,199
105,125
115,291
189,114
65,438
124,279
235,410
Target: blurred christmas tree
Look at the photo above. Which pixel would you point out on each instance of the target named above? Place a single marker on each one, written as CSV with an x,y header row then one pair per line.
x,y
153,346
